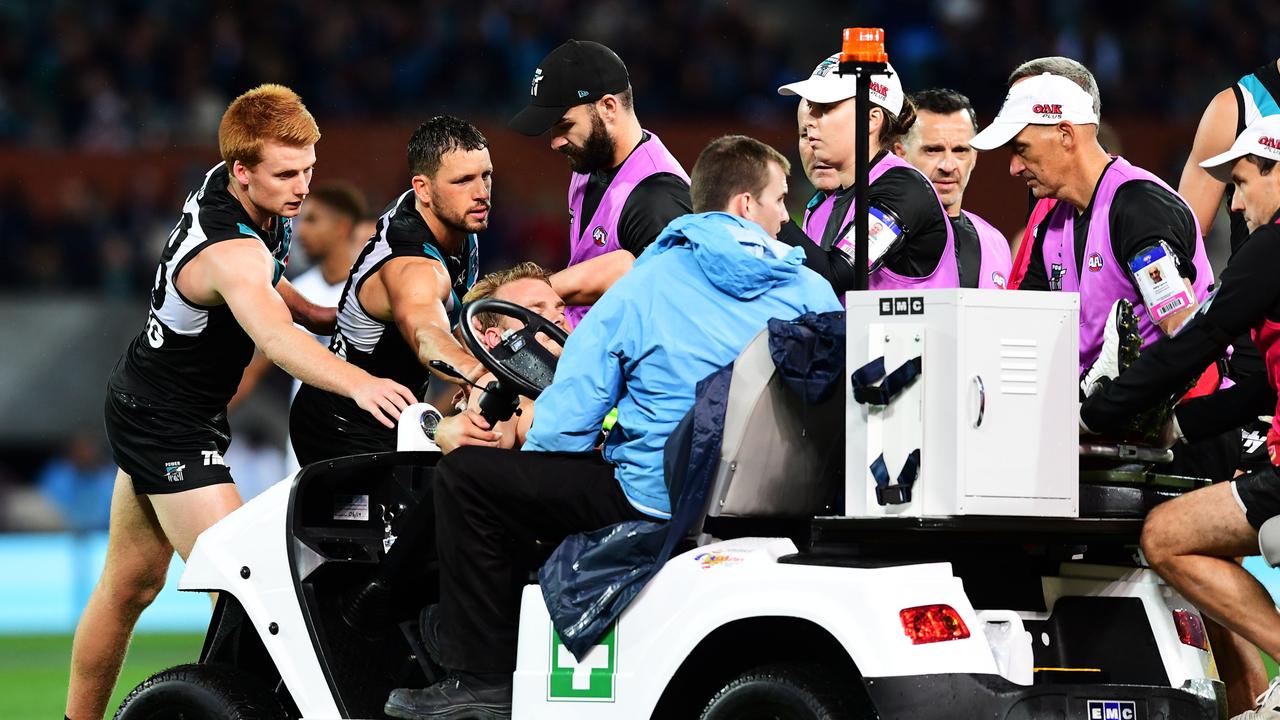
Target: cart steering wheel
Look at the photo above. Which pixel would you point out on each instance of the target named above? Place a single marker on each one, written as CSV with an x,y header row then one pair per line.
x,y
520,362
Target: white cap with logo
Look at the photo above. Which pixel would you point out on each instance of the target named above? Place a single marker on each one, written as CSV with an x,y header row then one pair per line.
x,y
1262,138
827,85
1046,99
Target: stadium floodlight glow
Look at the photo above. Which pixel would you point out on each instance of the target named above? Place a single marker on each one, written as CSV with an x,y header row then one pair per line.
x,y
932,623
1190,629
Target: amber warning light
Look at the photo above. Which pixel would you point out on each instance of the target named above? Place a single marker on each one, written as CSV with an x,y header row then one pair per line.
x,y
863,45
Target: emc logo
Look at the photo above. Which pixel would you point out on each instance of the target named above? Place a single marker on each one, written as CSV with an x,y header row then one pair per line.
x,y
1112,710
902,306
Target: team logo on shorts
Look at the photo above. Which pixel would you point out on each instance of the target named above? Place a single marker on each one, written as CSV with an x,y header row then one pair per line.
x,y
997,279
600,236
1095,262
173,471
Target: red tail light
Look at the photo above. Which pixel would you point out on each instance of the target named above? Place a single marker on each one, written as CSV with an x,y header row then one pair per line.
x,y
933,623
1190,629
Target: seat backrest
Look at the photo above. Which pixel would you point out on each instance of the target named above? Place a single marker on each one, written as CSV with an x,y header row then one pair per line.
x,y
780,457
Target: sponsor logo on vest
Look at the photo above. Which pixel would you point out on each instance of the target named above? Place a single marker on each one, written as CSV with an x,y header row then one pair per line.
x,y
591,679
1112,710
997,279
1095,262
600,236
1049,110
902,306
1269,142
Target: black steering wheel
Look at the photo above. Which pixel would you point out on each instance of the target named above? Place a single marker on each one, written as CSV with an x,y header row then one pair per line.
x,y
520,362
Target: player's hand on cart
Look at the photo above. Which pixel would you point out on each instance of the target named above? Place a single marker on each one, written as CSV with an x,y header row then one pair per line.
x,y
383,399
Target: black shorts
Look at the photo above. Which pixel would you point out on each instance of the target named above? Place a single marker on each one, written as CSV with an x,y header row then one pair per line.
x,y
166,449
1253,446
1259,495
323,426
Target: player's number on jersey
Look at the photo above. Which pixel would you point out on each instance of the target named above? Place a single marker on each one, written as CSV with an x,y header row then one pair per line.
x,y
339,345
155,333
176,238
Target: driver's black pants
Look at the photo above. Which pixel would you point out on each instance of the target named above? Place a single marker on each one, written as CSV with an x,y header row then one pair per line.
x,y
499,513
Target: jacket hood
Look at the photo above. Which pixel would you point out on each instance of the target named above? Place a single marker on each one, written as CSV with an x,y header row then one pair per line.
x,y
735,254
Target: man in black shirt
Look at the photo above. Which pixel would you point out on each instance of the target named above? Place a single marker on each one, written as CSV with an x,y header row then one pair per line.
x,y
938,145
1192,541
404,295
626,186
219,291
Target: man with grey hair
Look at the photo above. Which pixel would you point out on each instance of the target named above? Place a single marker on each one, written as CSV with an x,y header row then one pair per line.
x,y
938,146
1062,67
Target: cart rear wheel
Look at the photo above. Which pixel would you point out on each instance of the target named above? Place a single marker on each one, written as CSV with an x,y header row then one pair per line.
x,y
201,692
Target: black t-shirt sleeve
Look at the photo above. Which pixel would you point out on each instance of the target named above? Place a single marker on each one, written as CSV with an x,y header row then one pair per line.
x,y
654,202
1246,295
833,265
910,197
1223,410
1143,214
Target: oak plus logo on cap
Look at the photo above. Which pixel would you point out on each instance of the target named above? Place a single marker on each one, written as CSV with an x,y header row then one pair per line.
x,y
1269,142
1049,111
880,91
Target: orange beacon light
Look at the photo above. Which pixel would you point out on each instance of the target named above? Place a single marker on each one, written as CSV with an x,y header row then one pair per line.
x,y
863,45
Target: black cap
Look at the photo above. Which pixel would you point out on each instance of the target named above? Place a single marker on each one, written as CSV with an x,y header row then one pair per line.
x,y
573,74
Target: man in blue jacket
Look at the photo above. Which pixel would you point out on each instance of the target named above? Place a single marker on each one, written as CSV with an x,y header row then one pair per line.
x,y
695,298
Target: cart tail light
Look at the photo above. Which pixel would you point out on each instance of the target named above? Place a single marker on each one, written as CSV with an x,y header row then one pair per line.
x,y
1190,629
933,623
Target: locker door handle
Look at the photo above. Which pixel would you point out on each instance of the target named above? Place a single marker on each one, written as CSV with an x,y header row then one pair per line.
x,y
982,399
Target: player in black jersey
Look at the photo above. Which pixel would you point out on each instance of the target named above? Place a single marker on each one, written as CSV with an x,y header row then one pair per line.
x,y
218,292
404,293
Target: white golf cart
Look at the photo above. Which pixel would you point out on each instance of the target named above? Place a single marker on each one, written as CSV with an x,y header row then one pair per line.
x,y
812,590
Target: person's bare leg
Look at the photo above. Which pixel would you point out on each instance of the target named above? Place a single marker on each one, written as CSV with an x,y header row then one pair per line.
x,y
136,564
1192,542
145,531
1239,665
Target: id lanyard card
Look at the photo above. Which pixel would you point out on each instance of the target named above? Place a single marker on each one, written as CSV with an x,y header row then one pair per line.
x,y
883,233
1161,285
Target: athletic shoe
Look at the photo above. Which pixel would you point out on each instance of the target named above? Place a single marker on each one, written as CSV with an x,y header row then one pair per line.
x,y
1121,345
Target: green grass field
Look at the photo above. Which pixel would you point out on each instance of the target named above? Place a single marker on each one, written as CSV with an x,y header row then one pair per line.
x,y
33,670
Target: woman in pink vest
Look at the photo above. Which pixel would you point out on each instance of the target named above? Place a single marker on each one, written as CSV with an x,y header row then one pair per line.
x,y
910,240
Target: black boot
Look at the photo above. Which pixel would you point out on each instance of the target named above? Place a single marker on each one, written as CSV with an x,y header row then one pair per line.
x,y
429,631
461,695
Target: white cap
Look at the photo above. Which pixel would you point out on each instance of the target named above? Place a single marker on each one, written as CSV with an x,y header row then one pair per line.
x,y
1262,138
1046,99
827,85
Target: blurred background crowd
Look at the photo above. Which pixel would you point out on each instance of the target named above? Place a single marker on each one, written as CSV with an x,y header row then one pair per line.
x,y
109,113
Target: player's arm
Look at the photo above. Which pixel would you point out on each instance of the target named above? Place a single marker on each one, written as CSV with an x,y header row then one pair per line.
x,y
585,282
416,290
240,272
318,319
1214,135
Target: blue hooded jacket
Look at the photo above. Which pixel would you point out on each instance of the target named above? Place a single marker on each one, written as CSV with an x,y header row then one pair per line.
x,y
693,300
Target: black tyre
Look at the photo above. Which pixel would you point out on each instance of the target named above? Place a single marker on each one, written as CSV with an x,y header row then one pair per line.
x,y
786,692
201,692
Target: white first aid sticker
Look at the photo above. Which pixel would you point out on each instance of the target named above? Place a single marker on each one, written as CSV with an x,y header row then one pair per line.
x,y
883,233
351,507
1163,290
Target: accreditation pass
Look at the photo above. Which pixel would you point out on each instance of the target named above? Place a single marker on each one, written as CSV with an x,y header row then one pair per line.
x,y
1163,290
883,233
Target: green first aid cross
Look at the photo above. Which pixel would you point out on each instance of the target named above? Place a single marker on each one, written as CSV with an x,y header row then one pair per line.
x,y
592,679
